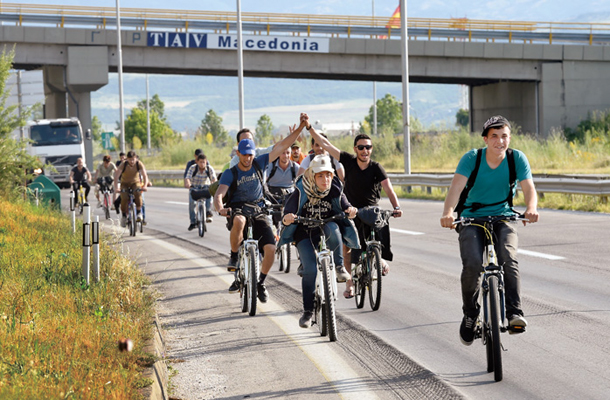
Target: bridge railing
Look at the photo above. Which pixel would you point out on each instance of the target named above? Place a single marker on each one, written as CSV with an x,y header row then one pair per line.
x,y
592,185
298,24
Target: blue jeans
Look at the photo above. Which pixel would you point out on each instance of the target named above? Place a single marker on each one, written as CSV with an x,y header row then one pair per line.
x,y
208,207
307,255
471,249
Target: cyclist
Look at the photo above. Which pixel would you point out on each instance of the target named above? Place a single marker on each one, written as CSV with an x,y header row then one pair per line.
x,y
191,163
491,195
281,175
295,153
249,188
364,179
80,176
317,149
199,176
131,175
103,176
122,158
319,194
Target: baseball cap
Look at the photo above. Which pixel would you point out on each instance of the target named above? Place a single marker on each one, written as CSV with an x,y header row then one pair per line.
x,y
295,144
246,146
497,121
321,163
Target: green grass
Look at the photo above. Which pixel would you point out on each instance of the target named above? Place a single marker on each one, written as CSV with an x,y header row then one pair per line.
x,y
59,336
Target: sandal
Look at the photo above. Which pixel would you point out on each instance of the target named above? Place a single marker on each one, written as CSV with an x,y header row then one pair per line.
x,y
349,291
385,269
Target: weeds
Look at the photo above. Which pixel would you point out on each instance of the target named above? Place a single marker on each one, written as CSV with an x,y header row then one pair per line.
x,y
59,335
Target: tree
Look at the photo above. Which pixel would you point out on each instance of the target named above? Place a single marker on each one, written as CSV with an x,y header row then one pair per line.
x,y
389,114
462,118
135,125
212,123
155,104
264,127
96,128
13,153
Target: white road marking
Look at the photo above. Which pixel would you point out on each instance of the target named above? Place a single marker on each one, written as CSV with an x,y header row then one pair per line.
x,y
180,203
541,255
319,350
406,232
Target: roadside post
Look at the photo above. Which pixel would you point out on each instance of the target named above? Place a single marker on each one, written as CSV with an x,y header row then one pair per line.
x,y
86,241
95,240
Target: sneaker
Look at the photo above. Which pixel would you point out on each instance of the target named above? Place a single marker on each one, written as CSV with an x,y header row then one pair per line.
x,y
231,266
191,227
99,204
123,222
516,324
139,217
234,288
342,275
144,222
300,270
305,320
467,330
263,295
209,215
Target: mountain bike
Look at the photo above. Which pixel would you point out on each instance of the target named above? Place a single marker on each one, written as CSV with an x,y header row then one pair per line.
x,y
132,222
248,259
200,195
283,251
367,273
492,290
106,189
326,280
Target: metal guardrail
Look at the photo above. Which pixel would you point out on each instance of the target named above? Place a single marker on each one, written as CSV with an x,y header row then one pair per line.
x,y
297,24
593,185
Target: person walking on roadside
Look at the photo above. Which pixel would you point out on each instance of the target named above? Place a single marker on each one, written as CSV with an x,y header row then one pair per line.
x,y
490,194
364,179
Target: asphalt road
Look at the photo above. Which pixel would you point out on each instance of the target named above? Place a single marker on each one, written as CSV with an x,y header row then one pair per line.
x,y
564,354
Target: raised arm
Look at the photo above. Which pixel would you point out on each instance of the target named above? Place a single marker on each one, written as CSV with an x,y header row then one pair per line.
x,y
321,140
285,143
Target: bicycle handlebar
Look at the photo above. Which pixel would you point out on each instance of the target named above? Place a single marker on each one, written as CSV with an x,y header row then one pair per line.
x,y
465,221
319,222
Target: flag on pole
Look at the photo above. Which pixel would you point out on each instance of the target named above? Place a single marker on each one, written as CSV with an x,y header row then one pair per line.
x,y
394,21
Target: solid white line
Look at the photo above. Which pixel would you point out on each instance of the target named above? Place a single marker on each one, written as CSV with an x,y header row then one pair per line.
x,y
180,203
406,232
319,350
541,255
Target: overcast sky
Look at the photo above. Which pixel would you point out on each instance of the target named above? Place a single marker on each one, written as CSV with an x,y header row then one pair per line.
x,y
530,10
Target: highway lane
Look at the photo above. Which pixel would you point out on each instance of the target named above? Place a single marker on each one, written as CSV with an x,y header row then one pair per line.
x,y
565,352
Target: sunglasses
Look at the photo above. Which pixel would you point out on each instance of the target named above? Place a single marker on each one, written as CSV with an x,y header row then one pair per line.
x,y
362,147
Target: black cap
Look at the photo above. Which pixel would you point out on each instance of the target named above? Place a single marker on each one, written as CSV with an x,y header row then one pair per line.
x,y
497,121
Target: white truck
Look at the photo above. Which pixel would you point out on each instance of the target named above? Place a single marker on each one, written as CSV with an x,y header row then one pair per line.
x,y
59,142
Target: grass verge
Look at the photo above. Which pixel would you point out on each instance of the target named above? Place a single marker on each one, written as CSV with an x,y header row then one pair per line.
x,y
59,336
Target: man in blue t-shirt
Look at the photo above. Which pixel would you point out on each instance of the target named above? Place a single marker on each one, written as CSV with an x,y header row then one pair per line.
x,y
249,189
491,191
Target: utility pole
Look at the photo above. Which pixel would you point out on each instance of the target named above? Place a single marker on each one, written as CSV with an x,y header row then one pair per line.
x,y
147,116
240,67
120,71
404,37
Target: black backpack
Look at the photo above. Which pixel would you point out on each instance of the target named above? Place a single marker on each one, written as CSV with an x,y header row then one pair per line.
x,y
512,172
207,170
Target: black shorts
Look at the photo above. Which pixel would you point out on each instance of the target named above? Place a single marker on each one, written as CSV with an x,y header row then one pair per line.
x,y
261,230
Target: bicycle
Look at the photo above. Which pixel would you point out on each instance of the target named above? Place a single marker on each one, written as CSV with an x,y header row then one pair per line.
x,y
368,271
132,221
200,195
79,196
283,251
326,280
106,189
492,291
248,259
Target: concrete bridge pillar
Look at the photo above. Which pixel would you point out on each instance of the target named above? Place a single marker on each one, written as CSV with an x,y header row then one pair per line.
x,y
54,91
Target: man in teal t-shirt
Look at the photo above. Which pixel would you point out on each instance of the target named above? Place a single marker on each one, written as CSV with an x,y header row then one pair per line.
x,y
491,189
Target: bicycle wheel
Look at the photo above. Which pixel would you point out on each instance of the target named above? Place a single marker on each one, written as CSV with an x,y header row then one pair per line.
x,y
132,217
201,218
494,316
285,258
321,316
243,264
329,302
81,201
107,205
359,284
374,282
252,281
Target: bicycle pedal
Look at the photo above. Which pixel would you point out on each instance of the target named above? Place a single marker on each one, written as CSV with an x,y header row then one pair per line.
x,y
516,329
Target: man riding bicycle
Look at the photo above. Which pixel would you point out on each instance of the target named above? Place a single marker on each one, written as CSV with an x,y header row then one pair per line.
x,y
80,176
364,179
131,175
199,176
490,195
104,176
249,188
319,194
